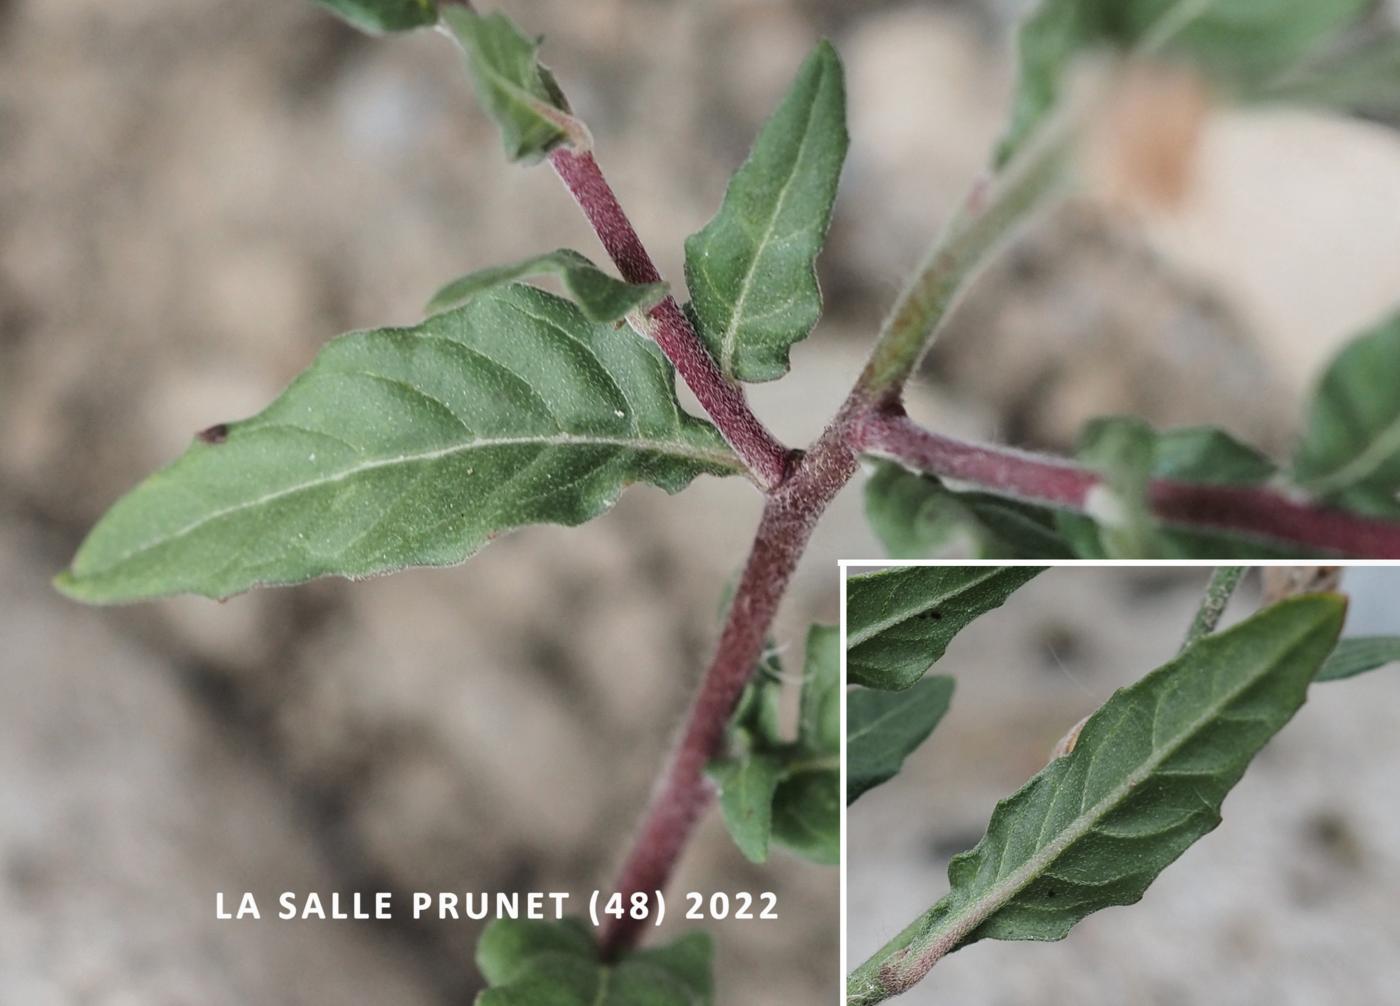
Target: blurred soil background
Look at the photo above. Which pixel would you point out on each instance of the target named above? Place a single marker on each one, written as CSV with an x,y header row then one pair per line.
x,y
195,195
1290,902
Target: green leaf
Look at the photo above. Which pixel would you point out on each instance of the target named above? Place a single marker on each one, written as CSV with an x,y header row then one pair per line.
x,y
819,717
1121,449
516,91
763,776
407,446
1209,456
751,270
1130,452
599,296
807,814
1363,79
1351,437
746,788
1145,780
1359,654
379,16
534,963
884,728
899,621
916,516
1242,45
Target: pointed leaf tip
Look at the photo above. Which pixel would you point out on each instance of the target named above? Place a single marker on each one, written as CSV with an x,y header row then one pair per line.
x,y
751,270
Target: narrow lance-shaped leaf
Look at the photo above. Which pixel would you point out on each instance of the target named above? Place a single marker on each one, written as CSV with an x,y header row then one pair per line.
x,y
379,16
599,296
408,446
751,270
1359,654
899,621
516,91
537,963
1146,779
1351,437
884,728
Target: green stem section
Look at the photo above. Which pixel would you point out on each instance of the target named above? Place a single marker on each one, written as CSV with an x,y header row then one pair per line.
x,y
1218,592
990,211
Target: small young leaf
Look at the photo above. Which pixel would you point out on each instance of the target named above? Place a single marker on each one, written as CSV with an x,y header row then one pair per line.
x,y
1121,448
517,92
884,728
409,446
599,296
379,16
819,719
534,963
916,516
746,788
899,621
807,814
751,270
1351,438
1146,779
1242,45
761,774
1359,654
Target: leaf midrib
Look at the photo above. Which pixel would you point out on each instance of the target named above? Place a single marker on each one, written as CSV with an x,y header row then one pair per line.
x,y
859,636
667,447
1001,893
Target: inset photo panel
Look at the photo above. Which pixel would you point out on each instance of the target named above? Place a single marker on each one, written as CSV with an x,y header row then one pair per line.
x,y
1108,784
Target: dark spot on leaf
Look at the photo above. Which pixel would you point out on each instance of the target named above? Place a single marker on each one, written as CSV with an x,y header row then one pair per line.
x,y
1050,892
932,616
215,434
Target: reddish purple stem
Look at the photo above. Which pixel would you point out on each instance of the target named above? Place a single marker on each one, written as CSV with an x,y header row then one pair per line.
x,y
1252,511
722,399
790,515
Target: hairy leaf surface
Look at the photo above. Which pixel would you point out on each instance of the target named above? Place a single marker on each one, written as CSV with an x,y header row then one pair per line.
x,y
407,446
1145,780
915,516
535,963
516,91
599,296
1351,437
379,16
1241,44
751,270
1359,654
884,728
899,621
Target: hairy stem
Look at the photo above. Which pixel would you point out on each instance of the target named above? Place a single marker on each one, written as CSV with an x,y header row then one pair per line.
x,y
1257,512
668,325
1223,582
989,213
684,792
